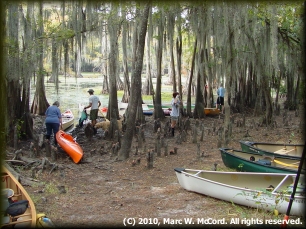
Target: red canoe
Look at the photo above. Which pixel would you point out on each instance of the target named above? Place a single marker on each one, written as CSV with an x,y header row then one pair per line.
x,y
69,145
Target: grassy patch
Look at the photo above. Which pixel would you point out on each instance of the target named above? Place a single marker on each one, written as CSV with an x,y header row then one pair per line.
x,y
35,199
51,188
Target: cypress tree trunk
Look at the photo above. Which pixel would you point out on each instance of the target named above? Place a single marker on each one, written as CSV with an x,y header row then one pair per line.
x,y
136,90
40,103
113,28
148,85
158,112
179,59
125,97
190,80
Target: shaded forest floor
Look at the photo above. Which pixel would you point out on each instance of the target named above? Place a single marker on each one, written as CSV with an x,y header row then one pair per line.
x,y
101,191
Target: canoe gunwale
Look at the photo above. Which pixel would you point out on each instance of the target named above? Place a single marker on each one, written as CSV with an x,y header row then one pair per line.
x,y
67,121
211,184
251,146
31,211
225,152
286,175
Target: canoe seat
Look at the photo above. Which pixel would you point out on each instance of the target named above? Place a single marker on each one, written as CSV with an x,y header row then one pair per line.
x,y
12,220
20,219
284,151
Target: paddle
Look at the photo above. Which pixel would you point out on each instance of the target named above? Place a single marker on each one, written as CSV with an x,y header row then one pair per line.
x,y
286,217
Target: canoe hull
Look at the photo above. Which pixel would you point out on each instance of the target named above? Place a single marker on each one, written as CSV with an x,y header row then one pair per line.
x,y
71,147
236,187
148,110
28,219
207,111
167,106
211,111
67,119
250,162
277,150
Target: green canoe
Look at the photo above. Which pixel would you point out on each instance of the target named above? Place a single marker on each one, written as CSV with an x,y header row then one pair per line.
x,y
277,150
253,162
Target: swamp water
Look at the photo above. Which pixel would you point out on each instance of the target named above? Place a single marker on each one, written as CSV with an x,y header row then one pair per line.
x,y
73,91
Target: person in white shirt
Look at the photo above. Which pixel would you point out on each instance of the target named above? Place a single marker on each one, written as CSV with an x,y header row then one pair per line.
x,y
94,103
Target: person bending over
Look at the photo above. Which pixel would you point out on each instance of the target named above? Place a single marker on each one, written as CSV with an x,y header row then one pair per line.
x,y
53,120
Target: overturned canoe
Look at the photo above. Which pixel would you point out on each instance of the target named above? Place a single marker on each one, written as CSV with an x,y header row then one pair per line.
x,y
70,146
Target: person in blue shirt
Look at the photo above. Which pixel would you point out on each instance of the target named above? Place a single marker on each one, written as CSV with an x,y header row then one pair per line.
x,y
175,112
220,99
53,120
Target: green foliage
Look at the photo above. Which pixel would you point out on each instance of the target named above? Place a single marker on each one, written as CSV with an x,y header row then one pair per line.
x,y
260,197
240,166
18,127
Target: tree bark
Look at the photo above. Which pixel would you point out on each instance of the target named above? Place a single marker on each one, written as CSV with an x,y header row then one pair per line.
x,y
40,103
148,85
158,111
136,90
179,60
113,28
126,94
190,80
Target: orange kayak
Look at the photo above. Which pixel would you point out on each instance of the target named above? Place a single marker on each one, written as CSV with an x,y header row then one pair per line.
x,y
69,145
211,111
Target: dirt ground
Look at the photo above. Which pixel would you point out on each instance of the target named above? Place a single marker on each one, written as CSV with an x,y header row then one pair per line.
x,y
102,191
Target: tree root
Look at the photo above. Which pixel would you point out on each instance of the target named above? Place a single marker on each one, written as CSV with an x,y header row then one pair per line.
x,y
36,166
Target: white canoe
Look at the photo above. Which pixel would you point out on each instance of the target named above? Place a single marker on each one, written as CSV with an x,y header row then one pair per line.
x,y
67,119
247,188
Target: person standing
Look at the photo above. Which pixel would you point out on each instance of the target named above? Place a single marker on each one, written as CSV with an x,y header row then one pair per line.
x,y
94,103
220,99
175,112
53,120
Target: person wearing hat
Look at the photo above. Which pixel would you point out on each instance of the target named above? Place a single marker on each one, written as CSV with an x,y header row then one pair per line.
x,y
175,112
94,103
53,120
